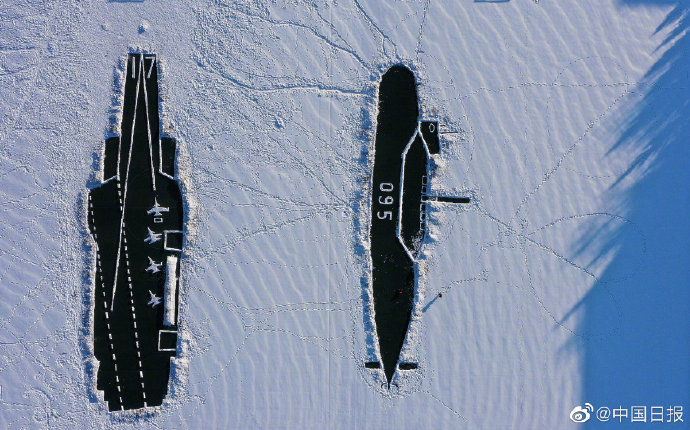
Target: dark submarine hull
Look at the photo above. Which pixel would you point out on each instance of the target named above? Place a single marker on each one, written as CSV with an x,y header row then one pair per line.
x,y
398,211
137,250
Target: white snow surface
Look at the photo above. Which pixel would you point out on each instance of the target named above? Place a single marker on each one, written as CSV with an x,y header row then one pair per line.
x,y
274,106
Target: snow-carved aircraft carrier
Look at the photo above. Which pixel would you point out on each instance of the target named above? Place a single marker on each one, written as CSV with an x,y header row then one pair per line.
x,y
136,219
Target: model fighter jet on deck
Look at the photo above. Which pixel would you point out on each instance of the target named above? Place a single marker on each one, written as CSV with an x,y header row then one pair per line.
x,y
403,147
136,219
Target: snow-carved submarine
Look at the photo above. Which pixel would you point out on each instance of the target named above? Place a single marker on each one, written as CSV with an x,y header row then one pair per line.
x,y
403,147
136,219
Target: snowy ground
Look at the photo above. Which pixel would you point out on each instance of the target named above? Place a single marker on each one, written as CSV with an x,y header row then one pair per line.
x,y
564,282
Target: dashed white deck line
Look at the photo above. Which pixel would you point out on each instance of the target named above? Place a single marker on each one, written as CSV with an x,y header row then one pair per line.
x,y
134,323
122,242
105,306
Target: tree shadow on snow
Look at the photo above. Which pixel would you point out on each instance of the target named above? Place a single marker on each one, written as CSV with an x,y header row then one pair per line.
x,y
644,358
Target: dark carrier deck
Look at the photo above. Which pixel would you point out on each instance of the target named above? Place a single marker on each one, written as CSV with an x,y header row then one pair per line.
x,y
136,219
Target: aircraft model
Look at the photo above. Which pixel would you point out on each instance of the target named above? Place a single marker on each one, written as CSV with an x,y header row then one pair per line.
x,y
155,300
403,148
153,266
134,339
157,210
152,237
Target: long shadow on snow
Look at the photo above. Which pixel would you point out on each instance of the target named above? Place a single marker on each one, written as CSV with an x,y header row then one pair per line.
x,y
645,360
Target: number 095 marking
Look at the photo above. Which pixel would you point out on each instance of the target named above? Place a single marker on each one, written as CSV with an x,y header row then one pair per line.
x,y
386,187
